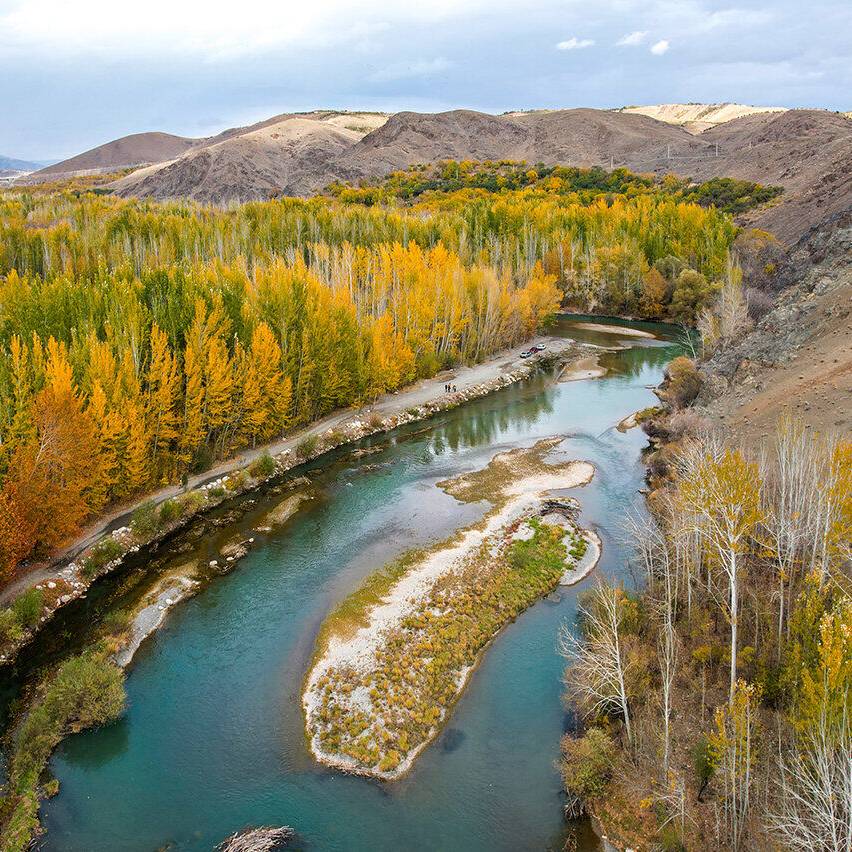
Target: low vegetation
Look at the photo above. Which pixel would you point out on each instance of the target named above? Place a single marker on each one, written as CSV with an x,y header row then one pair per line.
x,y
724,686
85,691
104,552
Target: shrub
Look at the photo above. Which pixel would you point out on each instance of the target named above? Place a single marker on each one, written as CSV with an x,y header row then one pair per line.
x,y
760,303
375,420
10,627
101,554
143,522
262,467
190,503
217,491
687,424
28,606
237,480
692,292
587,764
702,762
116,621
307,446
170,511
87,690
683,382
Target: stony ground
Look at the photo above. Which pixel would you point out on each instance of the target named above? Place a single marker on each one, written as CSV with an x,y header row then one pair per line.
x,y
798,360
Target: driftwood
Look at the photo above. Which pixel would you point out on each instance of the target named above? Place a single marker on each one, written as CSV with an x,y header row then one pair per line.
x,y
262,839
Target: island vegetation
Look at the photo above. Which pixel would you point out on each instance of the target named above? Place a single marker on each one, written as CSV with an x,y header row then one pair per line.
x,y
393,658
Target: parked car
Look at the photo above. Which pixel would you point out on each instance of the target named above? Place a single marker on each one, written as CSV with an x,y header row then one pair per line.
x,y
526,353
539,347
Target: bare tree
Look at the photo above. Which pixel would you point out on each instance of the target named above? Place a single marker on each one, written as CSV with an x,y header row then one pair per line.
x,y
732,308
813,806
722,492
598,672
662,574
792,474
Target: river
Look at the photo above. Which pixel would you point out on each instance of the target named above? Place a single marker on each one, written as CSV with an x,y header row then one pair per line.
x,y
213,740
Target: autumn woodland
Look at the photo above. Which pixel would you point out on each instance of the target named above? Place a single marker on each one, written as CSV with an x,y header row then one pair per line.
x,y
140,341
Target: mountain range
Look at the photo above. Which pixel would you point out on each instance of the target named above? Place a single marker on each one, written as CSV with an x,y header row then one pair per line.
x,y
808,152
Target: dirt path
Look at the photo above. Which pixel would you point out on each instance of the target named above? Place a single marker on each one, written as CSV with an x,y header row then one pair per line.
x,y
418,394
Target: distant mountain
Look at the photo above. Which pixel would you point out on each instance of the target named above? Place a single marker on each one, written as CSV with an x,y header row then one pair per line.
x,y
301,154
255,164
10,164
697,118
134,150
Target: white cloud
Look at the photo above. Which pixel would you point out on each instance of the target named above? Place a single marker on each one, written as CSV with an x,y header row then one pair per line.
x,y
575,43
213,29
660,47
418,68
632,39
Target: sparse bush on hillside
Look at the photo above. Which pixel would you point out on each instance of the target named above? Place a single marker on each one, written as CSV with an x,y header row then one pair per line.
x,y
683,382
760,303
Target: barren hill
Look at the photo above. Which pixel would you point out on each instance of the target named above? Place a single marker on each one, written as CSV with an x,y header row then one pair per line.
x,y
246,166
697,118
582,137
132,150
808,152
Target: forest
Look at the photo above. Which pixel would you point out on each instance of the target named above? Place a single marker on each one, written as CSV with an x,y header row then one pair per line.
x,y
714,703
140,341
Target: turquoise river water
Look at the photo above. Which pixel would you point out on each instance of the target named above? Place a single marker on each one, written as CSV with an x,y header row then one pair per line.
x,y
213,741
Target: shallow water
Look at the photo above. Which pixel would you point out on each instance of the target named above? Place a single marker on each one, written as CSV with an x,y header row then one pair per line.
x,y
213,737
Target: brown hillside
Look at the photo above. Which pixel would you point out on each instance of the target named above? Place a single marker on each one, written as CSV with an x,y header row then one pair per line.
x,y
808,152
121,153
247,166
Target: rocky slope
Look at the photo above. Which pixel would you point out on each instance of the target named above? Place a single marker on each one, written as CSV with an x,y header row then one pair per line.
x,y
808,152
798,359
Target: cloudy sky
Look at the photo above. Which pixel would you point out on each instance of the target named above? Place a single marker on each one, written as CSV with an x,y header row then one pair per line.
x,y
75,73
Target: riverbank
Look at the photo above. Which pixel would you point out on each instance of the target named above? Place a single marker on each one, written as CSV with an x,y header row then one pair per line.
x,y
215,730
104,546
394,658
